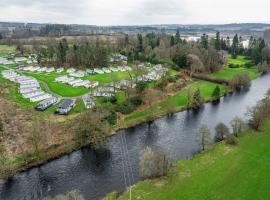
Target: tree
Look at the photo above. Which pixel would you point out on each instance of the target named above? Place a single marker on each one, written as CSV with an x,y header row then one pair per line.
x,y
235,46
204,41
216,93
140,43
238,126
221,132
72,195
177,37
1,126
195,99
204,136
92,128
141,86
259,113
172,42
153,163
240,81
217,41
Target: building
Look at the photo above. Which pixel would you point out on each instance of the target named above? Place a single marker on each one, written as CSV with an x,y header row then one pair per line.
x,y
65,107
45,104
88,101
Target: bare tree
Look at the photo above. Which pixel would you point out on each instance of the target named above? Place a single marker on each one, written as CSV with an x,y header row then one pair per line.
x,y
238,125
204,136
153,163
221,131
72,195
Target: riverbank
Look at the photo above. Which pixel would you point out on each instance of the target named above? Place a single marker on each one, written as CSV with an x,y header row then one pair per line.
x,y
222,172
178,100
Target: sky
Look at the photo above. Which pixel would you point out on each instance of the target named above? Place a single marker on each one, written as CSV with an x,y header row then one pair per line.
x,y
135,12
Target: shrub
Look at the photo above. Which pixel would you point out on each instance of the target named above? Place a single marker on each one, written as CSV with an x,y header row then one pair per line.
x,y
125,108
241,81
136,101
216,93
234,65
153,163
112,118
141,86
231,140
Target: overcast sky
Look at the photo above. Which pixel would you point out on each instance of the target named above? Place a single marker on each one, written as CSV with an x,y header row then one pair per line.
x,y
132,12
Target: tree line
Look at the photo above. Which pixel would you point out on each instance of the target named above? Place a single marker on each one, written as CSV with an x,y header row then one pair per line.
x,y
75,55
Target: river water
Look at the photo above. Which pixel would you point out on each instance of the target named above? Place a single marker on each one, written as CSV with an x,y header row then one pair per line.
x,y
96,174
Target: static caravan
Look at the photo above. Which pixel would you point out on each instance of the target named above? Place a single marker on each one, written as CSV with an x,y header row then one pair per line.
x,y
65,107
45,104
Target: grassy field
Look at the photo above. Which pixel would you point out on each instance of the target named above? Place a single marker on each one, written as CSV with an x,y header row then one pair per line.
x,y
63,90
229,73
107,78
5,49
223,172
177,102
240,60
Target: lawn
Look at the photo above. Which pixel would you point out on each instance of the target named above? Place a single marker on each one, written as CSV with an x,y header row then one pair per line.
x,y
229,73
107,78
5,49
240,60
223,172
176,102
63,90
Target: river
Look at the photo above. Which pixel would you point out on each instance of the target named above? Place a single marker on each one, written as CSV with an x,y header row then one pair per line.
x,y
96,174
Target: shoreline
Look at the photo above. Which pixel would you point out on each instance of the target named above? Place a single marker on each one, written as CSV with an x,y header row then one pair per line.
x,y
68,148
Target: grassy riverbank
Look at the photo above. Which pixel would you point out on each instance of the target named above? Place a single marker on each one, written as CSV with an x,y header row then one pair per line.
x,y
223,172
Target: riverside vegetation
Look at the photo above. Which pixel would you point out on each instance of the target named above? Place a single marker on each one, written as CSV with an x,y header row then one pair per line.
x,y
176,91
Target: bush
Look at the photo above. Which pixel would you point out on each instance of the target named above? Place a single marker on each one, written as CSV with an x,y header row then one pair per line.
x,y
216,93
125,108
153,163
112,118
136,101
241,81
141,86
234,65
231,140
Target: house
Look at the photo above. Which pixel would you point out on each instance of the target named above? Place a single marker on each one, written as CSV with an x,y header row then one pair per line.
x,y
224,54
88,101
45,104
65,107
60,70
51,69
71,70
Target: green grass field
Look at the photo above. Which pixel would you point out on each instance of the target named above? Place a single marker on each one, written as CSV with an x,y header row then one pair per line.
x,y
229,73
63,90
223,172
177,102
5,49
240,60
107,78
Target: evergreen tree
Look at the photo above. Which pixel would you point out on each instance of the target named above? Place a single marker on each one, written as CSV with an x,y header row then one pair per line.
x,y
216,93
140,43
177,37
235,46
172,42
204,41
217,41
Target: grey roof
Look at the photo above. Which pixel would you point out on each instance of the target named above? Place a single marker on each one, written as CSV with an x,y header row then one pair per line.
x,y
66,104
